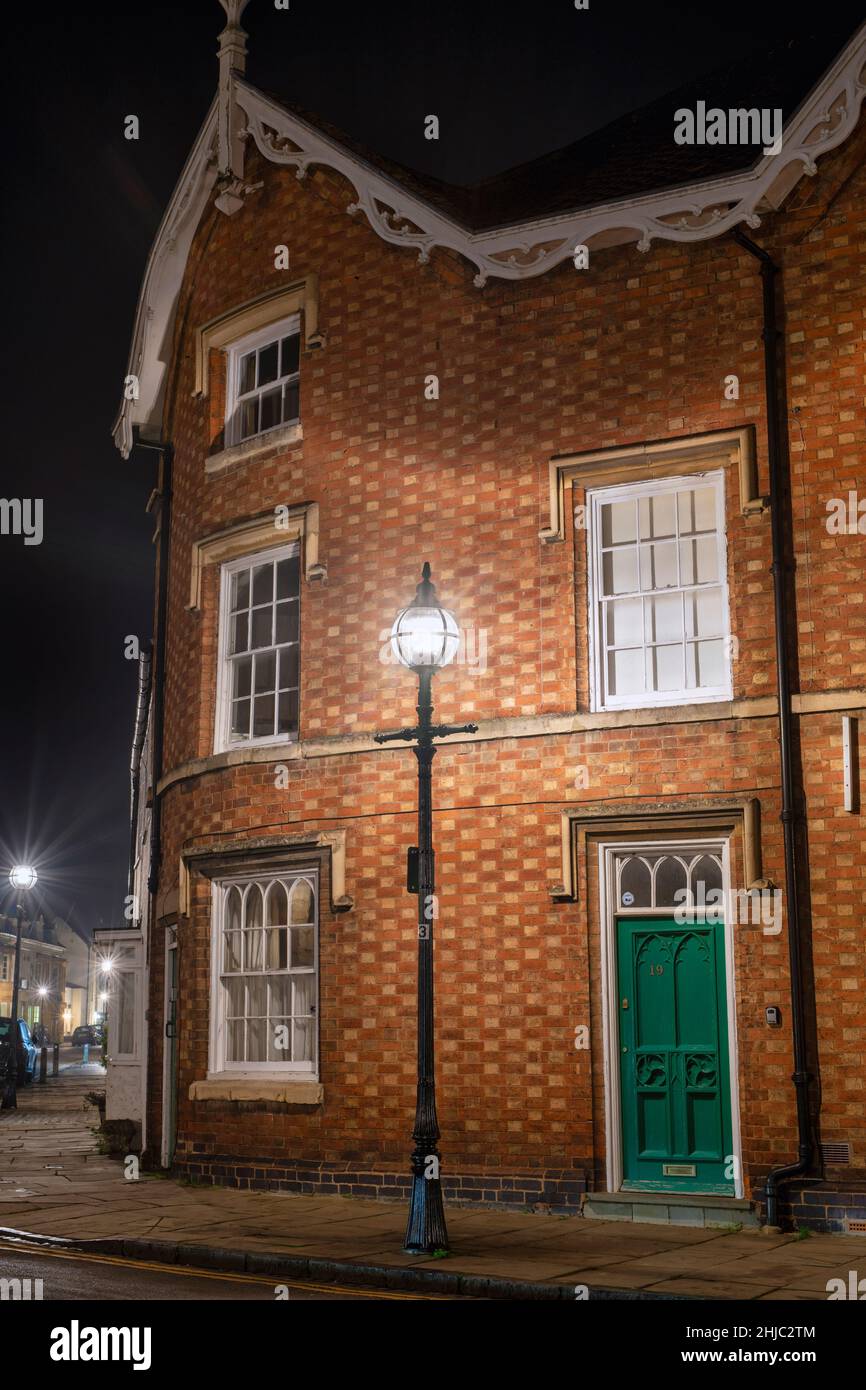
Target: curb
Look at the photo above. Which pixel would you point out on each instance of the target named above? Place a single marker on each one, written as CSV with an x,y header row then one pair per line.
x,y
325,1271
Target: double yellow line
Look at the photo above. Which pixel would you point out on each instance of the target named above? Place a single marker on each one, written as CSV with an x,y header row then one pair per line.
x,y
189,1271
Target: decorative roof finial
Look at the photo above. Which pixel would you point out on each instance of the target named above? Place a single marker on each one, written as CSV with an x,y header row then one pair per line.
x,y
233,39
230,123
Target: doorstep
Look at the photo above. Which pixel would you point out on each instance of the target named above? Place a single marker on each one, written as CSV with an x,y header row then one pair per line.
x,y
674,1209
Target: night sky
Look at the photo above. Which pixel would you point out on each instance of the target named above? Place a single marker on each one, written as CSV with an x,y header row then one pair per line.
x,y
82,204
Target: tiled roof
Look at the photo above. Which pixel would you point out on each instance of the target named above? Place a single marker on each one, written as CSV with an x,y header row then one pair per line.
x,y
633,155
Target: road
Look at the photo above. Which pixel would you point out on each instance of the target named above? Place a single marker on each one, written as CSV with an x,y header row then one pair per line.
x,y
69,1276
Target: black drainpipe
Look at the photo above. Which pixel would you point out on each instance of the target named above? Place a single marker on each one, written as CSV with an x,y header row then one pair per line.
x,y
801,1078
166,452
141,705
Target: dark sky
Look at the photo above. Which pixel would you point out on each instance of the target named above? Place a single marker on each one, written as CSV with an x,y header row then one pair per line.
x,y
508,82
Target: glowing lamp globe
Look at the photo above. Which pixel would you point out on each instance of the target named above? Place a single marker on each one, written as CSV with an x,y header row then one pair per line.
x,y
425,636
23,877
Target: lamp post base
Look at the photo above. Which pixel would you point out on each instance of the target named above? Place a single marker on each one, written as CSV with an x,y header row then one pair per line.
x,y
425,1231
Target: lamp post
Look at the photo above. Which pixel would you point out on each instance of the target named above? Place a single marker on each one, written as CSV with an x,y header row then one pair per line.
x,y
425,637
23,877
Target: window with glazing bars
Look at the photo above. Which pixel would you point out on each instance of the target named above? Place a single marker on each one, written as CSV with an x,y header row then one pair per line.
x,y
260,647
263,381
659,621
267,977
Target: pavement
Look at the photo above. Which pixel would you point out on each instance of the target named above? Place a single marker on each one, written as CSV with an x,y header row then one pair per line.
x,y
55,1184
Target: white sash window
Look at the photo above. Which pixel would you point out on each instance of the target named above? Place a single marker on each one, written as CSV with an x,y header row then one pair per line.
x,y
265,977
659,625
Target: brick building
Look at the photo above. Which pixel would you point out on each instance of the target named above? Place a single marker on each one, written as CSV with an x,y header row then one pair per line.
x,y
663,643
42,995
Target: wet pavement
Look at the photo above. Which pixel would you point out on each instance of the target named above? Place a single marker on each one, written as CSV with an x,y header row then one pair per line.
x,y
54,1181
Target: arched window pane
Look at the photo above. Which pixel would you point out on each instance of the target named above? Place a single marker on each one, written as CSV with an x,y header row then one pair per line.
x,y
253,906
707,872
278,906
634,884
302,901
269,982
670,879
233,910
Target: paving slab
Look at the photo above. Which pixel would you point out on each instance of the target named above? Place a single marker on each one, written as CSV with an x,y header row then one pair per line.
x,y
607,1278
53,1181
691,1286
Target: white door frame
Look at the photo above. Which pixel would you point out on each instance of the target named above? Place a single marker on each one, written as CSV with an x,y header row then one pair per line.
x,y
610,995
170,945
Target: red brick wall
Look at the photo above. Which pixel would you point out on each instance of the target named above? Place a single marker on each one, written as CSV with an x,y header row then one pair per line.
x,y
635,349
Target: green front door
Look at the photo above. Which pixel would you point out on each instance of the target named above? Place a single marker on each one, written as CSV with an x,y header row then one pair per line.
x,y
673,1053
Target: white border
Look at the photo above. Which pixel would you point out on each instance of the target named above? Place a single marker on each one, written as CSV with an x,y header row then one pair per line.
x,y
600,700
280,328
170,945
610,997
129,939
695,212
221,741
689,213
290,1071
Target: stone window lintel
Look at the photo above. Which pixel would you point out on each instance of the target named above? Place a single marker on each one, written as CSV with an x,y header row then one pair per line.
x,y
578,822
657,459
299,297
257,534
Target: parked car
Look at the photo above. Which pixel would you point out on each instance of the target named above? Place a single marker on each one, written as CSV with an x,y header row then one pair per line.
x,y
89,1033
26,1050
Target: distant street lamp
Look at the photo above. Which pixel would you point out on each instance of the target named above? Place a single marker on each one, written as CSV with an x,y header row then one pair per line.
x,y
425,637
23,878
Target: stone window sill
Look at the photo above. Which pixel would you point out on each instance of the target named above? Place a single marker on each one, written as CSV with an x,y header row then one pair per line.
x,y
291,1092
281,438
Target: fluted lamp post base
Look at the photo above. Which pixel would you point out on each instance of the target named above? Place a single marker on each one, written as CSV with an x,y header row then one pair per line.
x,y
426,1232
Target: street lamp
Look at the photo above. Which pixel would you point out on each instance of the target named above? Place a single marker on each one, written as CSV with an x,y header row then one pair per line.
x,y
23,878
425,637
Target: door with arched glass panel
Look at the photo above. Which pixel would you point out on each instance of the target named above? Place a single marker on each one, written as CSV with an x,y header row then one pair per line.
x,y
672,1012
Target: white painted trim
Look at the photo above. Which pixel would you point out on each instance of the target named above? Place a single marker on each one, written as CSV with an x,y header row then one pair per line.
x,y
291,1071
733,1044
694,213
170,945
520,250
130,938
157,305
849,771
283,328
608,913
222,742
601,702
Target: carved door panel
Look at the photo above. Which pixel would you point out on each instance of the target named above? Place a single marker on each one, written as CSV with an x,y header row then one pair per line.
x,y
673,1053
